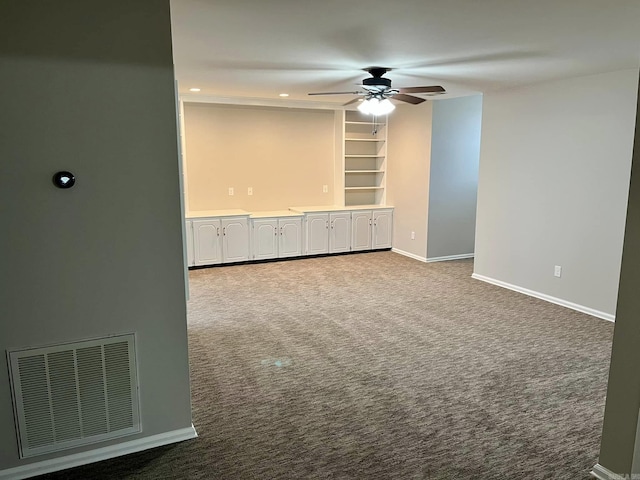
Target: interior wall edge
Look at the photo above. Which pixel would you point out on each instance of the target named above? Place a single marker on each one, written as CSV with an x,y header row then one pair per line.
x,y
98,454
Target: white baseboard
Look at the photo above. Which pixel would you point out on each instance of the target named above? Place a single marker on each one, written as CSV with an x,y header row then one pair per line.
x,y
450,257
548,298
410,255
603,473
98,454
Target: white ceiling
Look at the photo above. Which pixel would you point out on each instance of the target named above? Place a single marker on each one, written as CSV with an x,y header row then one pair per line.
x,y
260,48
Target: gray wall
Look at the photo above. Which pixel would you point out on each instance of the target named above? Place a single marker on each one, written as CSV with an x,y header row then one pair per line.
x,y
408,151
453,184
623,394
554,176
88,87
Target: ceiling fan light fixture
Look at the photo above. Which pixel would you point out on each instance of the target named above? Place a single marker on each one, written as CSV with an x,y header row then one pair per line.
x,y
375,106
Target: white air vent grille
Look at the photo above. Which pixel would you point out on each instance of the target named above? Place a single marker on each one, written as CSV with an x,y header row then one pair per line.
x,y
74,394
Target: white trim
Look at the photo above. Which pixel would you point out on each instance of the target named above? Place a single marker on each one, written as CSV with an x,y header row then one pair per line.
x,y
603,473
98,454
410,255
548,298
450,257
260,102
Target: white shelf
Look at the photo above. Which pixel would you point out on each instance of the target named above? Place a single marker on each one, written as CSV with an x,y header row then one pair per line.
x,y
364,139
364,145
363,123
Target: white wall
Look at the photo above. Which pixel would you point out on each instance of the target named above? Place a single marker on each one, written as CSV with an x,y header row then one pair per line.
x,y
104,257
553,184
285,155
408,156
453,180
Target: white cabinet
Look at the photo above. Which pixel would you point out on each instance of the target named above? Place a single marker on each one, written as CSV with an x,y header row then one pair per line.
x,y
220,240
276,237
206,241
327,233
317,233
264,236
233,236
339,232
235,239
290,240
382,229
361,230
371,229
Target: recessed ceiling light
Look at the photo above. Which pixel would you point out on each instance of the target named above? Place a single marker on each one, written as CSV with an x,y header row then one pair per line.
x,y
194,89
284,94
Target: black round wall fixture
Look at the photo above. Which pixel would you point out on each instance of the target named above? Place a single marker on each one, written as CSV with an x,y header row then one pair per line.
x,y
64,179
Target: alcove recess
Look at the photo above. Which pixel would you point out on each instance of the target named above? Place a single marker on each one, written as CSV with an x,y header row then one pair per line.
x,y
364,159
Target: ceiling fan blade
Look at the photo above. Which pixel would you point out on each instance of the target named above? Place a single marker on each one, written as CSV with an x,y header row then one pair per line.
x,y
337,93
430,89
352,101
408,98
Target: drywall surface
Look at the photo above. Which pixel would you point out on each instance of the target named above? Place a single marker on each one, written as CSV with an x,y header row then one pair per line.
x,y
285,155
554,176
88,87
408,157
453,181
620,450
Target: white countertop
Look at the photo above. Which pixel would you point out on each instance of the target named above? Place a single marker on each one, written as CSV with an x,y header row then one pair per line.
x,y
335,208
217,213
366,207
276,213
317,208
292,212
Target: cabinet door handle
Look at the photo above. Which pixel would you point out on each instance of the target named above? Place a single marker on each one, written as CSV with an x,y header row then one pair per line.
x,y
224,231
218,231
280,230
327,224
331,225
369,221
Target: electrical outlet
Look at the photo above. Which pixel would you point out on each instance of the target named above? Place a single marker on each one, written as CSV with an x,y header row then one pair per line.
x,y
557,271
250,191
325,188
413,235
230,190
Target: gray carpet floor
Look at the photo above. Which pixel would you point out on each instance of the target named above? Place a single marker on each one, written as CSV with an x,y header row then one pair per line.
x,y
377,366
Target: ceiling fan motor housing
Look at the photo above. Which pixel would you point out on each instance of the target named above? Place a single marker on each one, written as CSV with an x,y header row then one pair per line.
x,y
377,82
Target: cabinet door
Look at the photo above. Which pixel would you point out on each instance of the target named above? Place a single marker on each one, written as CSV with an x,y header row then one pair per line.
x,y
189,240
317,234
265,238
382,228
235,239
206,236
361,230
290,244
339,232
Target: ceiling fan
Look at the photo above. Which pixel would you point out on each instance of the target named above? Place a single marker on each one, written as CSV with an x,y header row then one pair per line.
x,y
377,90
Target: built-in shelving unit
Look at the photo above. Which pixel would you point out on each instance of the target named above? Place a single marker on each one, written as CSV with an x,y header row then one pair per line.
x,y
364,155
